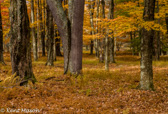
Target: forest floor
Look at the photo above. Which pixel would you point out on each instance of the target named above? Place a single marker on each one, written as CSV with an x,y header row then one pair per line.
x,y
96,91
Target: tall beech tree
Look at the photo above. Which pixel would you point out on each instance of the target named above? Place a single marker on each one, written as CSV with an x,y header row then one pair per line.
x,y
71,32
20,42
146,81
1,39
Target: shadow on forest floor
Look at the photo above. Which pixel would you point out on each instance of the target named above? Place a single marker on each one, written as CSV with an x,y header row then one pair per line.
x,y
96,91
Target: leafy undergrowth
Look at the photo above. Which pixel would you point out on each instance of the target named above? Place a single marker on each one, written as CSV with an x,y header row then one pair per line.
x,y
96,91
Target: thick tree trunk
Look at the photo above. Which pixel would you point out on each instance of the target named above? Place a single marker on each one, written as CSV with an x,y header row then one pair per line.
x,y
77,37
35,54
146,82
50,38
20,42
1,39
71,33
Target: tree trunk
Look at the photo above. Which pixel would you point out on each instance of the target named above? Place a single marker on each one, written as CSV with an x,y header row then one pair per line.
x,y
111,16
42,31
54,46
64,28
77,37
91,47
132,45
91,7
20,42
157,39
146,82
38,28
1,39
58,48
35,53
166,18
71,33
50,38
97,40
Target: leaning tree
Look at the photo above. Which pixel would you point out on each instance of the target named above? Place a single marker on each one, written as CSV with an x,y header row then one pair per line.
x,y
71,32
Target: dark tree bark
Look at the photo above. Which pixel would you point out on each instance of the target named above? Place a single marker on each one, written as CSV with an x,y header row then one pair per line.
x,y
91,8
111,16
97,40
166,18
20,42
1,39
50,38
58,48
157,39
146,82
91,47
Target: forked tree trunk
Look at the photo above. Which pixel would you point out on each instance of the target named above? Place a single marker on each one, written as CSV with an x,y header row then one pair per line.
x,y
20,42
1,39
64,28
35,54
146,82
71,34
50,38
